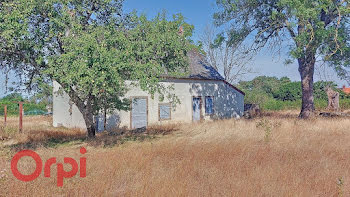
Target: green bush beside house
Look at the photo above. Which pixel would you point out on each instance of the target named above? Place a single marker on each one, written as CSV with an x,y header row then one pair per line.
x,y
276,94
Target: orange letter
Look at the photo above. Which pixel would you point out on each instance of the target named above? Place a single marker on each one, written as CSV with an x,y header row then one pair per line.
x,y
17,157
63,174
83,163
47,168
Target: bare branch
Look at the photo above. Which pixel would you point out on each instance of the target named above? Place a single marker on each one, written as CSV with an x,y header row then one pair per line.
x,y
231,60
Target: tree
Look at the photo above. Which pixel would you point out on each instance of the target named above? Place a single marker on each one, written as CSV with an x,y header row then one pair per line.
x,y
289,92
91,48
13,97
233,60
269,85
262,88
320,89
42,92
316,28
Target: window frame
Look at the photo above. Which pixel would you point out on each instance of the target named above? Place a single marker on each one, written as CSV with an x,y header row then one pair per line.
x,y
200,107
205,105
170,109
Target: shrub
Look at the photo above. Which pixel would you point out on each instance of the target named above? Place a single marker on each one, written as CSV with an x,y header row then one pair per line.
x,y
289,92
320,104
13,107
256,97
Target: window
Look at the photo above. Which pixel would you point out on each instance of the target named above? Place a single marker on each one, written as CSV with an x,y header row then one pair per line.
x,y
165,111
209,106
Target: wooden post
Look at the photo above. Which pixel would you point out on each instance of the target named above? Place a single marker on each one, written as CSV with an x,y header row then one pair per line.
x,y
5,114
105,120
20,116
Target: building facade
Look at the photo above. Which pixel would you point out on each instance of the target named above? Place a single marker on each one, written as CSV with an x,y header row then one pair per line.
x,y
204,95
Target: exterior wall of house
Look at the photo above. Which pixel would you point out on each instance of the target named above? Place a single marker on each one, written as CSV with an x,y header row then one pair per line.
x,y
65,113
228,103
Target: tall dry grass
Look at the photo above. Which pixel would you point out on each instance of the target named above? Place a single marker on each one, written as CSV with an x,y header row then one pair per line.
x,y
222,158
37,131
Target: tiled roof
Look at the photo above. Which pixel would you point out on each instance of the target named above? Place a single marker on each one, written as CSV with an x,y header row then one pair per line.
x,y
346,90
199,68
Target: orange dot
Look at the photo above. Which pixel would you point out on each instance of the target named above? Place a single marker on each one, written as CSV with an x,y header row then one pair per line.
x,y
82,150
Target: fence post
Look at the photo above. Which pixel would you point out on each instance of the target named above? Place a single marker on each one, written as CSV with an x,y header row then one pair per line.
x,y
20,116
5,114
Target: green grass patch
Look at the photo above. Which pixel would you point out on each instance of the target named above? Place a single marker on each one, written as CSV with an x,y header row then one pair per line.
x,y
278,105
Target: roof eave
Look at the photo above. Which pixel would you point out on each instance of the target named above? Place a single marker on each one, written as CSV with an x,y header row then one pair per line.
x,y
222,80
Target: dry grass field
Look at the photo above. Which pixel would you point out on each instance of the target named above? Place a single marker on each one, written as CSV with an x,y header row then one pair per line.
x,y
276,155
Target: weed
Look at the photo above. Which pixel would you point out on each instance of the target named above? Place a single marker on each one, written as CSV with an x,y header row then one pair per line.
x,y
267,126
340,184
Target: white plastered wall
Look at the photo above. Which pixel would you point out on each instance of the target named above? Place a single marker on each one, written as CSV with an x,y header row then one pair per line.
x,y
228,103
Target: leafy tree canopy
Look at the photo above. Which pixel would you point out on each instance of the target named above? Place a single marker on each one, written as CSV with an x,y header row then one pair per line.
x,y
313,29
263,88
13,97
91,48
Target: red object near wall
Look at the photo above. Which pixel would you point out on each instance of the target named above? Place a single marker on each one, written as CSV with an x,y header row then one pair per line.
x,y
346,90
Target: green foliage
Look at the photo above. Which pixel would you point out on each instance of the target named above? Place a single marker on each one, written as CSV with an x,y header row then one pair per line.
x,y
267,126
91,48
289,92
315,30
311,24
261,88
292,91
256,96
42,92
283,94
14,97
13,107
98,60
320,87
269,85
277,105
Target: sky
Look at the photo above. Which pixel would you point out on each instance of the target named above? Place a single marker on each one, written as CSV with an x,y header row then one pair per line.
x,y
200,13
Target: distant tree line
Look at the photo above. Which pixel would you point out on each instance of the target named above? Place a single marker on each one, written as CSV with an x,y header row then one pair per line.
x,y
274,93
31,104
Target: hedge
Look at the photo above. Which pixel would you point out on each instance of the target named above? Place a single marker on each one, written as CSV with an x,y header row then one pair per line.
x,y
276,105
13,108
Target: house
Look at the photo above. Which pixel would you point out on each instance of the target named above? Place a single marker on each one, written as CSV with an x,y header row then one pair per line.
x,y
203,95
346,90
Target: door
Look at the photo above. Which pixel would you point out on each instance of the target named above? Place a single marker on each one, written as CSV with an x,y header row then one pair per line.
x,y
138,113
196,108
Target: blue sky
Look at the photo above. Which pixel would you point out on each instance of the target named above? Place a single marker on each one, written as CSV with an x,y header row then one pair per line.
x,y
196,12
199,13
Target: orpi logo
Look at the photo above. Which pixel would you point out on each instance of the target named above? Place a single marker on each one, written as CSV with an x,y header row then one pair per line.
x,y
61,174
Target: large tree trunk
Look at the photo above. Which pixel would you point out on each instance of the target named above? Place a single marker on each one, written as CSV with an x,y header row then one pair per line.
x,y
89,121
88,115
105,119
306,70
91,130
85,108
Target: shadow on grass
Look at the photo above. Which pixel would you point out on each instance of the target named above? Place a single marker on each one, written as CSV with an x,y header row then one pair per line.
x,y
55,139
